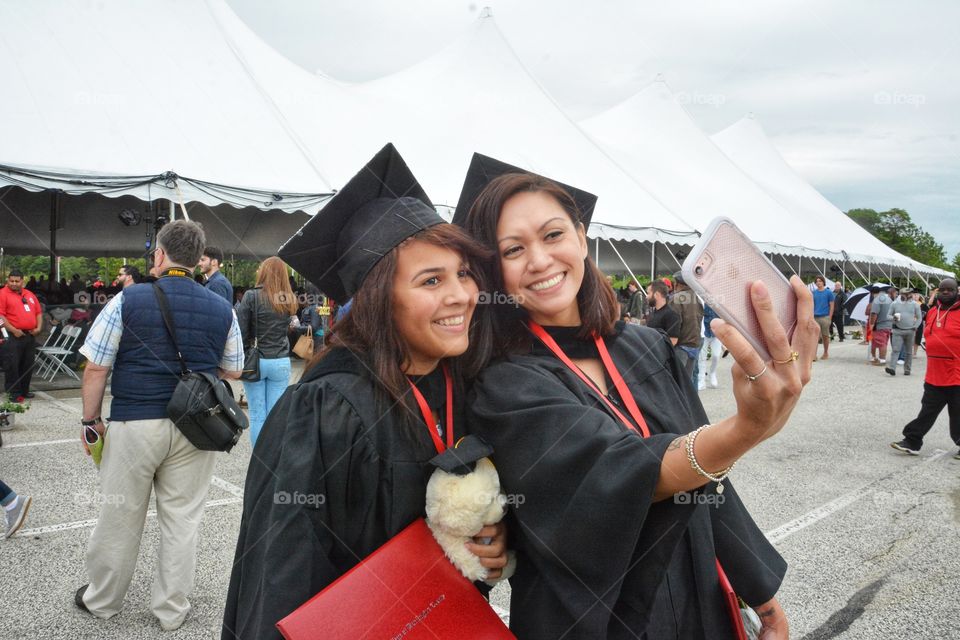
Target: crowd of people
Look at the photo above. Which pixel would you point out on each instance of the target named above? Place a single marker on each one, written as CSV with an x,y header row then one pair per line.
x,y
590,405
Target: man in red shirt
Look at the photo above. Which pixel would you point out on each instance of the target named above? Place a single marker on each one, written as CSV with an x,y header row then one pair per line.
x,y
941,387
22,319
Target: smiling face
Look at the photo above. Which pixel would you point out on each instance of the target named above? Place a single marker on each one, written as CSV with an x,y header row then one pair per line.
x,y
542,257
434,297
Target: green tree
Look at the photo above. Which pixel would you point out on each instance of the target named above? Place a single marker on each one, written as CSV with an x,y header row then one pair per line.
x,y
898,231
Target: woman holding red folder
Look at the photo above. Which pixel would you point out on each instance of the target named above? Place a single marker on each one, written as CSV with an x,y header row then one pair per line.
x,y
626,512
341,465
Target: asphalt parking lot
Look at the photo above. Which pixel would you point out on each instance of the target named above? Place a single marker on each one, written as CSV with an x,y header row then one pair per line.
x,y
870,534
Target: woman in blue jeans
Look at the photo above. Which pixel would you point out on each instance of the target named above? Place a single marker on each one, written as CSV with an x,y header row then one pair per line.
x,y
264,315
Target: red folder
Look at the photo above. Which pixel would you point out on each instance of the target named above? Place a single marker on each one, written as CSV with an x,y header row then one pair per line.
x,y
406,589
733,604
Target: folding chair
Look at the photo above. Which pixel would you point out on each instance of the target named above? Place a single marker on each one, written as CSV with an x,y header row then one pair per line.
x,y
55,357
51,341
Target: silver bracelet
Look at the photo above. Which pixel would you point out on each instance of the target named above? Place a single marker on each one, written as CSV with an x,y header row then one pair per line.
x,y
716,477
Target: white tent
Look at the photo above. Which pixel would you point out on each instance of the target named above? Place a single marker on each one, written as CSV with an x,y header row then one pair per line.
x,y
474,95
746,144
104,100
653,137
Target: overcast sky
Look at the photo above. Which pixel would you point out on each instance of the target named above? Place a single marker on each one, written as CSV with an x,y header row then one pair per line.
x,y
862,98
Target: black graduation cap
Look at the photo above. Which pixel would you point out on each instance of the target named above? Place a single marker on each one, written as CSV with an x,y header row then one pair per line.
x,y
379,208
483,169
462,459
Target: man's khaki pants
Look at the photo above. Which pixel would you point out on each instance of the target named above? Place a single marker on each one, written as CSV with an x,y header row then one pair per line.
x,y
138,455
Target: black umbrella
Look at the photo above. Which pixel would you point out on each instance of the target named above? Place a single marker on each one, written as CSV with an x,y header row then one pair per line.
x,y
857,301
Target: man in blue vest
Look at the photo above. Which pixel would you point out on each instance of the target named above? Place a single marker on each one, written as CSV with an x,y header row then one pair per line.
x,y
146,451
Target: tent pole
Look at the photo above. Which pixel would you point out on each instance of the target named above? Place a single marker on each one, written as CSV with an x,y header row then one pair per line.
x,y
670,253
843,275
173,211
789,266
630,271
54,219
869,275
653,260
857,269
597,249
799,265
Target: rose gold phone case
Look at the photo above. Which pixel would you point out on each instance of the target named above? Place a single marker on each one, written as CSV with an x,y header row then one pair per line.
x,y
720,269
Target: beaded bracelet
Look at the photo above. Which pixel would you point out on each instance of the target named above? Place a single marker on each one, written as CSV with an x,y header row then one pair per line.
x,y
716,477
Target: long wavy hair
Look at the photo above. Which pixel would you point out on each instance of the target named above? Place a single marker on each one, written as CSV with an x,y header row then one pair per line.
x,y
274,281
596,299
369,332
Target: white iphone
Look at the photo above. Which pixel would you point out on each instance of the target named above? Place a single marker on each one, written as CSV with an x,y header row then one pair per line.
x,y
721,268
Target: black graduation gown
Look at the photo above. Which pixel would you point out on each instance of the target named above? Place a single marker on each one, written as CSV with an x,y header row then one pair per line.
x,y
597,558
331,479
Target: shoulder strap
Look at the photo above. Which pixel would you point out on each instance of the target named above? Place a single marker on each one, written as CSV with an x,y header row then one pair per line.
x,y
165,312
256,312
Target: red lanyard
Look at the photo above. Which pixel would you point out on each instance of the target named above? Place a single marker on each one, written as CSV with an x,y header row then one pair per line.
x,y
618,382
428,414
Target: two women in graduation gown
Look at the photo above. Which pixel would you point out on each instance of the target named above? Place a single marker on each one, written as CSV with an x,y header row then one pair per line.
x,y
617,534
341,464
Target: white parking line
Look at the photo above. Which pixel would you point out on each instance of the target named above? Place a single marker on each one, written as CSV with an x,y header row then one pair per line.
x,y
86,524
784,531
76,441
227,486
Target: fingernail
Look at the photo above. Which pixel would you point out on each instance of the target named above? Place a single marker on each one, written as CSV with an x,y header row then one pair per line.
x,y
760,289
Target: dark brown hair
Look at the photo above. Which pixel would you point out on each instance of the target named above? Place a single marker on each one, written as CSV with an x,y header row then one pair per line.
x,y
369,332
596,299
659,286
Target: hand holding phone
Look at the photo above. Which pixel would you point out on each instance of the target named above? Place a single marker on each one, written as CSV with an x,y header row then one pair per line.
x,y
767,325
721,268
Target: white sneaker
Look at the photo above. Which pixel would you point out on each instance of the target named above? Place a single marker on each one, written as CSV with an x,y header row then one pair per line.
x,y
899,361
701,385
16,515
714,383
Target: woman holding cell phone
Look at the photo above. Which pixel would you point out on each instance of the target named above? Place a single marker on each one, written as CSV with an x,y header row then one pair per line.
x,y
627,508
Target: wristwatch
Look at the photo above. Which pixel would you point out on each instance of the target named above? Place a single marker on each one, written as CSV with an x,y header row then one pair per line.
x,y
90,423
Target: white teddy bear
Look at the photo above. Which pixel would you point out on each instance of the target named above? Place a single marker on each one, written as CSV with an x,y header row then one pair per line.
x,y
463,495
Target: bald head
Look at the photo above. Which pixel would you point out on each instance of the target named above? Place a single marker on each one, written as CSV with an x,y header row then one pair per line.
x,y
947,292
